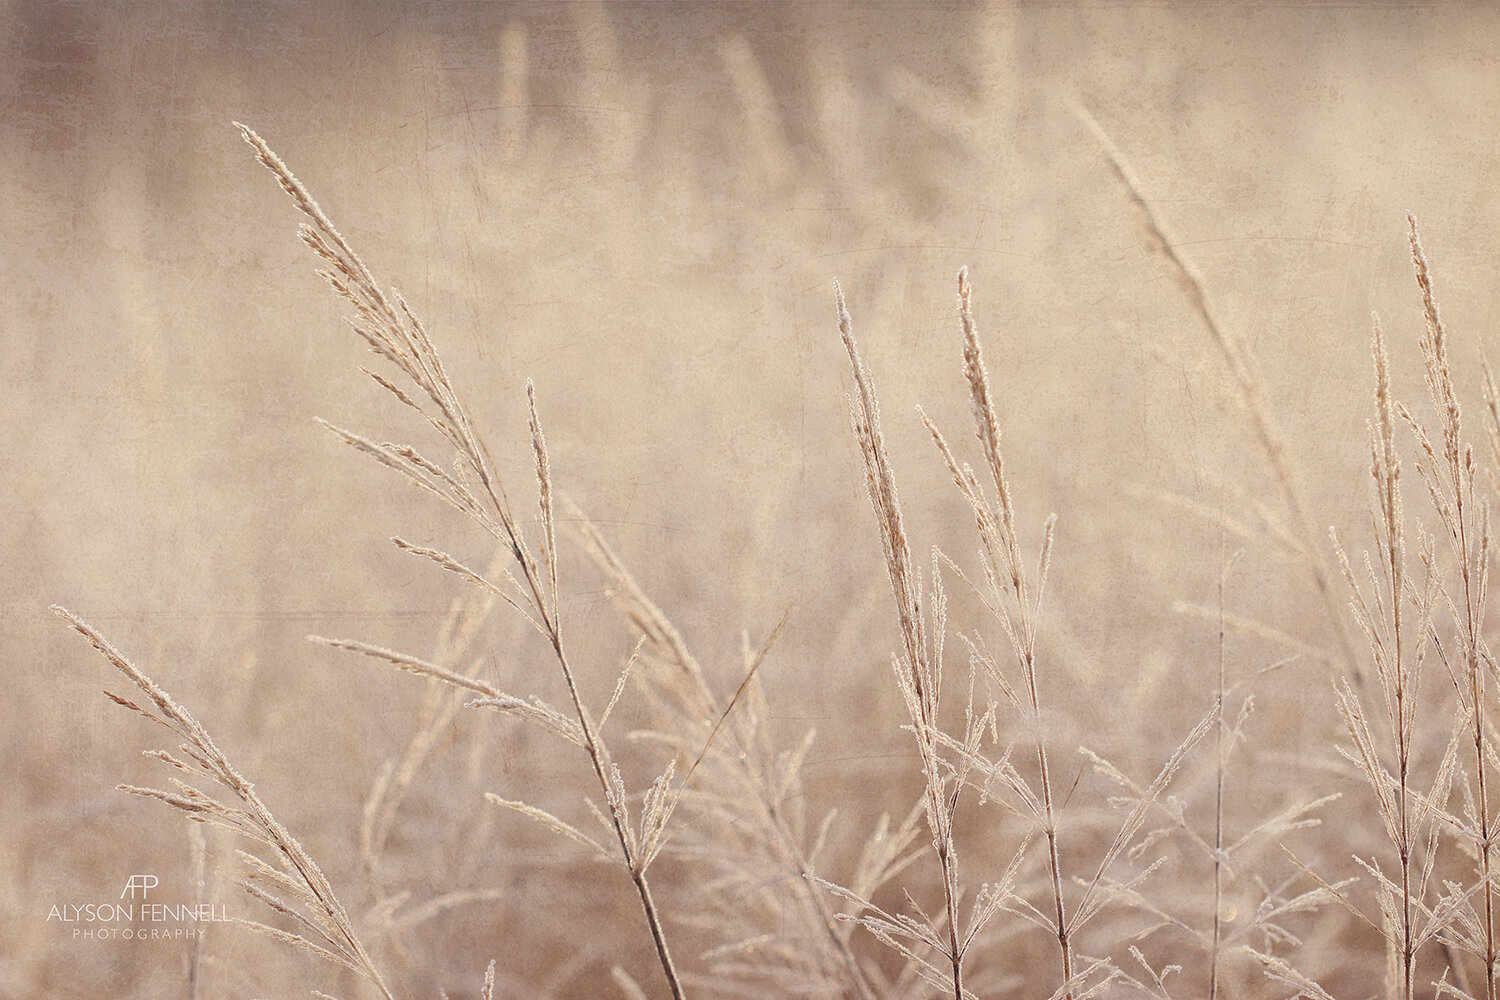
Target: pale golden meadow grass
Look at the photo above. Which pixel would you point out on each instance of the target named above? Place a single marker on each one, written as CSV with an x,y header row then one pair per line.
x,y
643,215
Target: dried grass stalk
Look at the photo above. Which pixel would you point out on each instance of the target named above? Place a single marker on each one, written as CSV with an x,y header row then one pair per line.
x,y
388,325
327,930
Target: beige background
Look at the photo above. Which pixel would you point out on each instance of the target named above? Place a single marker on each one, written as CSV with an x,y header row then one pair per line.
x,y
641,207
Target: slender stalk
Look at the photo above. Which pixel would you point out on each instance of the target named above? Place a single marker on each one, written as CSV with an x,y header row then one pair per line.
x,y
1054,864
1477,695
1408,948
1458,516
857,978
1247,380
544,599
859,985
950,896
653,918
658,629
1006,563
1213,958
1395,558
919,668
1387,472
385,322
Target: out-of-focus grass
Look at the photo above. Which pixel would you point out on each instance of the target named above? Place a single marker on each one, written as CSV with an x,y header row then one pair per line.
x,y
648,230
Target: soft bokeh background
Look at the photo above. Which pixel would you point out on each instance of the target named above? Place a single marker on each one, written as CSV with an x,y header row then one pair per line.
x,y
642,207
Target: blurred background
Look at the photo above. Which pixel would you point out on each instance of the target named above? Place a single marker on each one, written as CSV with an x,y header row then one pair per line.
x,y
642,207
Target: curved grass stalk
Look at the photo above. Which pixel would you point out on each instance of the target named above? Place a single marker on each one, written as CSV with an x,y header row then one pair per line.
x,y
1248,383
474,487
297,888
